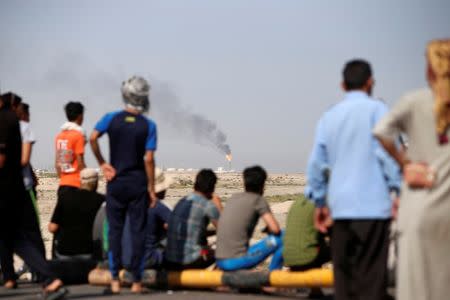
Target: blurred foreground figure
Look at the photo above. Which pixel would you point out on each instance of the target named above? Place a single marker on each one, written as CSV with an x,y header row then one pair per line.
x,y
356,192
14,228
424,212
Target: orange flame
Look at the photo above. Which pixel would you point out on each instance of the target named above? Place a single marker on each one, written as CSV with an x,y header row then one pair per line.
x,y
229,157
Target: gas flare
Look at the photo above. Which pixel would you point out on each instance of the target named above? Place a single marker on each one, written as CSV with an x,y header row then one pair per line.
x,y
229,157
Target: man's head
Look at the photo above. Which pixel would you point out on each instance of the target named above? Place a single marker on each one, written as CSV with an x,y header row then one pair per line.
x,y
357,75
89,179
74,112
23,112
10,101
135,94
162,183
438,75
205,182
255,179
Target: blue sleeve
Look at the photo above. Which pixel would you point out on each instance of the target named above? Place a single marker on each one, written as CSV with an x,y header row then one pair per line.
x,y
317,169
103,125
164,213
380,111
390,168
152,137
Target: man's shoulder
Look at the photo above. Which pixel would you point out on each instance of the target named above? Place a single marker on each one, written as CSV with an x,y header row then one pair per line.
x,y
70,134
244,200
417,97
148,121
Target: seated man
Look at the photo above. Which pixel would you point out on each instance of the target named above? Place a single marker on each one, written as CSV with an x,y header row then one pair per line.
x,y
237,223
304,247
74,216
156,228
187,246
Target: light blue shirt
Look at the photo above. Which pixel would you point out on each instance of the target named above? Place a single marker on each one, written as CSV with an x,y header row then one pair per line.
x,y
357,188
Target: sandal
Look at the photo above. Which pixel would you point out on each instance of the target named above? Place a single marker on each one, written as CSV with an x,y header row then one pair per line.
x,y
57,294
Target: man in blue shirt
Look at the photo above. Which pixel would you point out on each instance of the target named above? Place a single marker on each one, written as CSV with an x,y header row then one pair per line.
x,y
357,193
130,174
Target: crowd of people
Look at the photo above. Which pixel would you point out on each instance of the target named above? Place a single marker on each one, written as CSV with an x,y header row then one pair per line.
x,y
368,165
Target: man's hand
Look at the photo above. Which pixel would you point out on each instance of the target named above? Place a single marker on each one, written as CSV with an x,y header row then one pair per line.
x,y
217,202
394,209
108,171
2,160
419,175
153,198
322,219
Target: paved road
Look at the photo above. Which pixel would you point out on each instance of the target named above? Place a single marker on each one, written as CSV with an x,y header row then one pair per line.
x,y
32,292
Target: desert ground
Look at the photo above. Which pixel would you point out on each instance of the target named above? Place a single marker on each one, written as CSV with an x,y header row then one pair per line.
x,y
281,190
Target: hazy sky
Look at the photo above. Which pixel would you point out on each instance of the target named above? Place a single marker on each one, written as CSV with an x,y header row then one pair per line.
x,y
263,71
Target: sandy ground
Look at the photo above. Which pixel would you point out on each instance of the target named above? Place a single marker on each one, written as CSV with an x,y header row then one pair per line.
x,y
228,184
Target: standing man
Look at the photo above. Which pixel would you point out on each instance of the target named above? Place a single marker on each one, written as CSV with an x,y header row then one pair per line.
x,y
14,229
130,174
423,217
357,195
69,143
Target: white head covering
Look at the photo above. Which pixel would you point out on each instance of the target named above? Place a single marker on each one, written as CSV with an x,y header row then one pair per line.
x,y
135,93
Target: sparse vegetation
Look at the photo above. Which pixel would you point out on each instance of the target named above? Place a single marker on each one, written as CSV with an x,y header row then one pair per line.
x,y
284,198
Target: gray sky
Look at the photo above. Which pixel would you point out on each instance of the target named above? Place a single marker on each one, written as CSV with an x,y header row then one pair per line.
x,y
262,71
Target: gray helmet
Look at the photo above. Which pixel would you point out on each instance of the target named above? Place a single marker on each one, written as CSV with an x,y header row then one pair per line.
x,y
135,93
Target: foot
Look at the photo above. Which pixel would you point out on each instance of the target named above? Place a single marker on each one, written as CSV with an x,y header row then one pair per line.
x,y
115,286
136,288
10,284
54,286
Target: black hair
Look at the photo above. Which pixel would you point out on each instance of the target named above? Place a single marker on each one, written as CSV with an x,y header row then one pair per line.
x,y
25,107
356,73
254,179
205,182
73,110
10,99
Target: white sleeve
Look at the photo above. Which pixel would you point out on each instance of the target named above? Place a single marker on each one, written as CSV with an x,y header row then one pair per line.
x,y
27,133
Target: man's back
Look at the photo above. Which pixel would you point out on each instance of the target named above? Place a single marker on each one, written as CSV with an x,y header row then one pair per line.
x,y
356,188
301,239
130,135
186,234
75,216
237,223
69,144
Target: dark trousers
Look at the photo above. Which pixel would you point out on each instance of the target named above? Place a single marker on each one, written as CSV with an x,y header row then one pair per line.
x,y
125,196
31,231
19,242
359,250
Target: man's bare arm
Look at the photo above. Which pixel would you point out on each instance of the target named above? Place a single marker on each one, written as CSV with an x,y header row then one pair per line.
x,y
2,160
391,148
271,222
108,171
26,153
150,170
93,140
